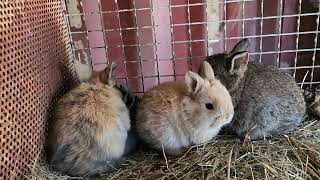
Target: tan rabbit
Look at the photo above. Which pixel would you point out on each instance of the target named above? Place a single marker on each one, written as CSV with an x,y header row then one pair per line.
x,y
175,115
89,128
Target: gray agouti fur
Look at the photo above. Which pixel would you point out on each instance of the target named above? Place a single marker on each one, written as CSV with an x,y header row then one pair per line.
x,y
267,101
90,125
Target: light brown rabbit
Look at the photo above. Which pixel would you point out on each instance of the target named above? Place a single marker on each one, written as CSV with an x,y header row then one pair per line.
x,y
175,115
89,128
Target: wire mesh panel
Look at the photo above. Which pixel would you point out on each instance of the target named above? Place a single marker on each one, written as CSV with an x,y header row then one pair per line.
x,y
34,67
155,41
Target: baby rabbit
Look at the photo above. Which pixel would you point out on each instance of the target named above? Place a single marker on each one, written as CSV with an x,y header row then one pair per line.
x,y
90,126
175,115
267,101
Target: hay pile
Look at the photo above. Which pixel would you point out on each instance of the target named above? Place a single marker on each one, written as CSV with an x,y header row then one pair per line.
x,y
296,156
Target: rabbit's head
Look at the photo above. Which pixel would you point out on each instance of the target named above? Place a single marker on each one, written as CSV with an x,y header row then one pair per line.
x,y
231,67
104,77
211,104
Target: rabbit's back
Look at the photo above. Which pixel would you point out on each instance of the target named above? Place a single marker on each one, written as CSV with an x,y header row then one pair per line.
x,y
92,101
90,125
271,80
264,81
270,100
166,94
159,116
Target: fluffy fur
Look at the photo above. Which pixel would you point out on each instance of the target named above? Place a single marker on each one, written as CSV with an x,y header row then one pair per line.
x,y
174,115
89,128
267,101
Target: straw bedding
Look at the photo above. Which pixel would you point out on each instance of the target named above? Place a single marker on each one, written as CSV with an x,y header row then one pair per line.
x,y
294,156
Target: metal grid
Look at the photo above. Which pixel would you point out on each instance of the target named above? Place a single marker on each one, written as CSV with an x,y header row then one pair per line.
x,y
160,40
34,70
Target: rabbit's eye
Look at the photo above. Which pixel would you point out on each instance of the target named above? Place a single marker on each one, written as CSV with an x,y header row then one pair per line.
x,y
209,106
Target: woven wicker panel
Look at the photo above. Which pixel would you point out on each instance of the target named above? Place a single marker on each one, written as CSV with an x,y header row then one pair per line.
x,y
33,66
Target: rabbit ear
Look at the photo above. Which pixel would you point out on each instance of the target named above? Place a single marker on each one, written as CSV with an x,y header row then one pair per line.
x,y
83,71
107,76
206,71
239,62
111,78
242,46
193,81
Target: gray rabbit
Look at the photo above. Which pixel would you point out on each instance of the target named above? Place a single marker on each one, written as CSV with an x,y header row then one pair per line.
x,y
267,101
